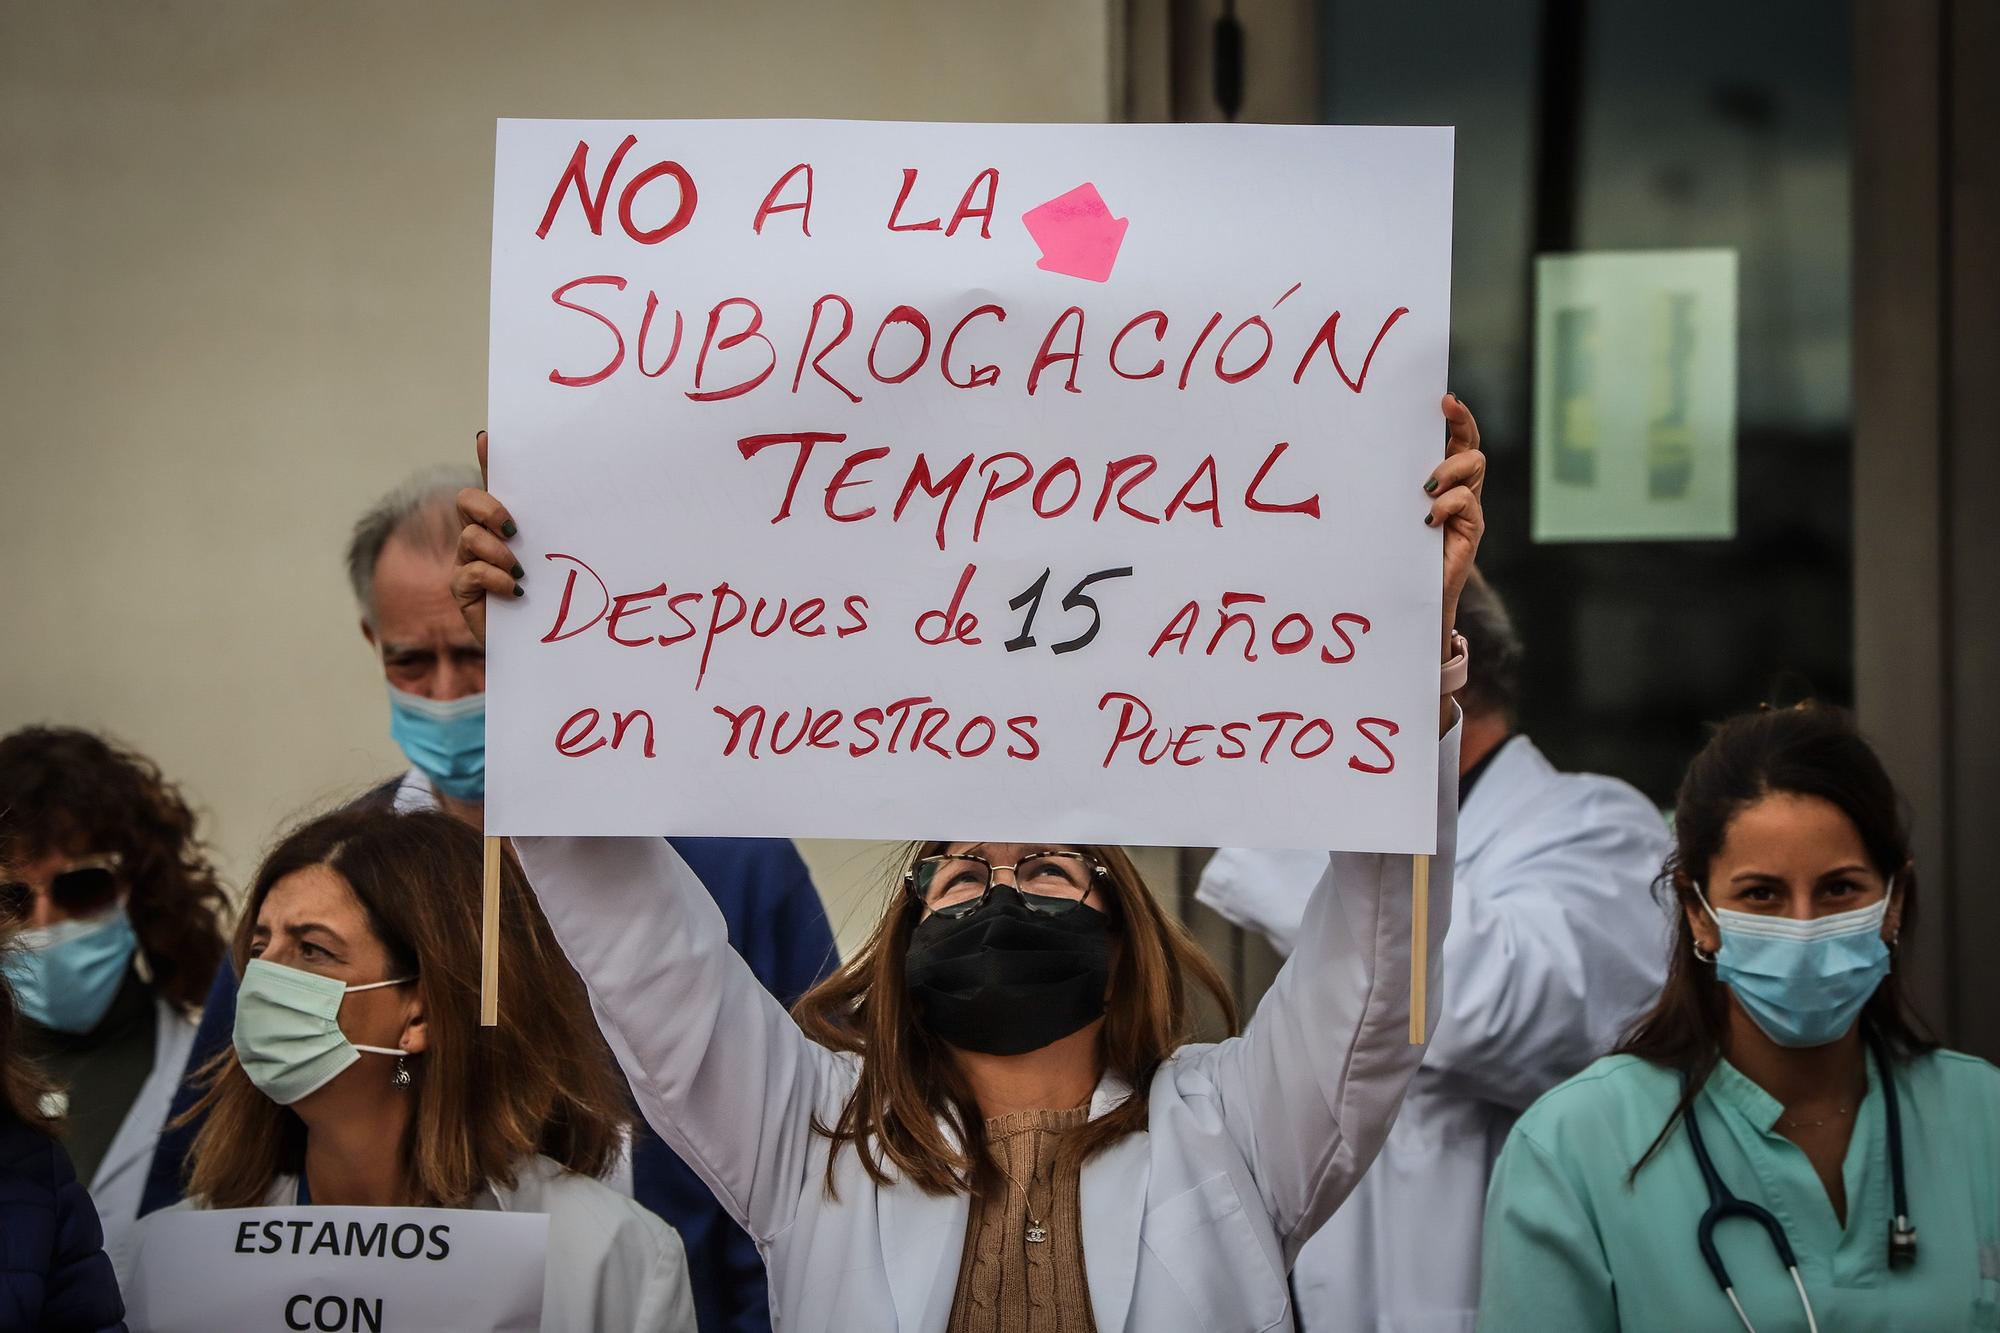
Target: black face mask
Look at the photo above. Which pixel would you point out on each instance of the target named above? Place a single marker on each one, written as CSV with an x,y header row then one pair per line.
x,y
1005,979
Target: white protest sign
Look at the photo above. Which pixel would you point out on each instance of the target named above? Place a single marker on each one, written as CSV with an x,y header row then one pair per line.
x,y
370,1270
891,480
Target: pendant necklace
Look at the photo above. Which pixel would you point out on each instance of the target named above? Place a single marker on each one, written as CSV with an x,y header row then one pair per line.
x,y
1036,1233
1800,1122
1838,1112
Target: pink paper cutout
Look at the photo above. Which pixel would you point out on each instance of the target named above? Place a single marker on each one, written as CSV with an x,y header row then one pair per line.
x,y
1077,234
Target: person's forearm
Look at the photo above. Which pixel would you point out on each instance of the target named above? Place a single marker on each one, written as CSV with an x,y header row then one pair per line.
x,y
1312,1086
1516,1019
715,1062
1446,703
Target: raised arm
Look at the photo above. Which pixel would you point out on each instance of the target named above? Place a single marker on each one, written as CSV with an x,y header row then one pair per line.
x,y
1262,889
719,1068
1308,1092
1558,948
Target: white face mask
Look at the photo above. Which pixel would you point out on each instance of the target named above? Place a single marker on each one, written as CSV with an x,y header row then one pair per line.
x,y
287,1033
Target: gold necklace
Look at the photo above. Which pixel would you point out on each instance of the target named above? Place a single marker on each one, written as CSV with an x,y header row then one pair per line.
x,y
1036,1233
1838,1112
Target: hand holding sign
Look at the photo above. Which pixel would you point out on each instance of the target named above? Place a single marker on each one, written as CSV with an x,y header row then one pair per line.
x,y
1456,488
485,564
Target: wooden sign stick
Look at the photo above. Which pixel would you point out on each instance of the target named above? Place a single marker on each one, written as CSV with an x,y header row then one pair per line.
x,y
1420,929
489,939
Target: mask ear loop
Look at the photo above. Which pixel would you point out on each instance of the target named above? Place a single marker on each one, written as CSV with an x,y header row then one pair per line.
x,y
1701,897
401,1078
1889,898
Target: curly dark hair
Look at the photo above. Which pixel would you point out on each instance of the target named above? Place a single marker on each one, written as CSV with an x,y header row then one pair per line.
x,y
66,789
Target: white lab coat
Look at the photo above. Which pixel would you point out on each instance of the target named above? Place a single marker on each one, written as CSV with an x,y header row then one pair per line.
x,y
1556,943
610,1265
121,1175
1189,1226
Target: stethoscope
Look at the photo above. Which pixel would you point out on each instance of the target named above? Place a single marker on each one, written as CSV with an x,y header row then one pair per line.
x,y
1722,1203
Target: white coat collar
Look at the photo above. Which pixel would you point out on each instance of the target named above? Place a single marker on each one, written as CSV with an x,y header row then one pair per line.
x,y
1113,1199
132,1147
1515,777
414,793
923,1235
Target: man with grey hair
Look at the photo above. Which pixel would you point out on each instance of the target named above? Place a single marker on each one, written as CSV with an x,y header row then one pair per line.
x,y
399,564
1555,945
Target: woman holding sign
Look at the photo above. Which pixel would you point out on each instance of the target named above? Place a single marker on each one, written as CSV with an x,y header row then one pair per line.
x,y
989,1118
360,1075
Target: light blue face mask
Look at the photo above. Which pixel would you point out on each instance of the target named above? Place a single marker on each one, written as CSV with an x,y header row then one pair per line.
x,y
446,741
1803,982
287,1033
65,976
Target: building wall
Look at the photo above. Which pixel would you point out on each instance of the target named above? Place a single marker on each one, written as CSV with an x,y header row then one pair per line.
x,y
245,270
1927,472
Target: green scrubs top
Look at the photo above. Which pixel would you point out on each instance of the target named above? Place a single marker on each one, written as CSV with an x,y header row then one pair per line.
x,y
1570,1244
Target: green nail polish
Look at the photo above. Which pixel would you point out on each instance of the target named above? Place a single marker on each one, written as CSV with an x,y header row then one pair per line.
x,y
517,587
1430,487
508,529
1427,523
518,572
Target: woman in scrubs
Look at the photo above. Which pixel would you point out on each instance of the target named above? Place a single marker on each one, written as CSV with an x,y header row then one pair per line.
x,y
1783,1015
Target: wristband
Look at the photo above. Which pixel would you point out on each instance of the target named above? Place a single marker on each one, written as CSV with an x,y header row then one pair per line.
x,y
1451,675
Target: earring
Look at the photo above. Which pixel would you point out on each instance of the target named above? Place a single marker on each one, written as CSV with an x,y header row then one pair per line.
x,y
401,1077
1699,956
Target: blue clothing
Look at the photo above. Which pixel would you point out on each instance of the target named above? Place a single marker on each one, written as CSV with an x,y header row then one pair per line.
x,y
54,1276
1569,1243
777,924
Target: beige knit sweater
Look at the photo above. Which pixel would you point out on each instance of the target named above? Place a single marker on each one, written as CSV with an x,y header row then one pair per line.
x,y
1008,1283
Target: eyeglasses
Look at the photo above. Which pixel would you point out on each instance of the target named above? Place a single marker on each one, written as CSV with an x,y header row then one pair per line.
x,y
1051,882
83,888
